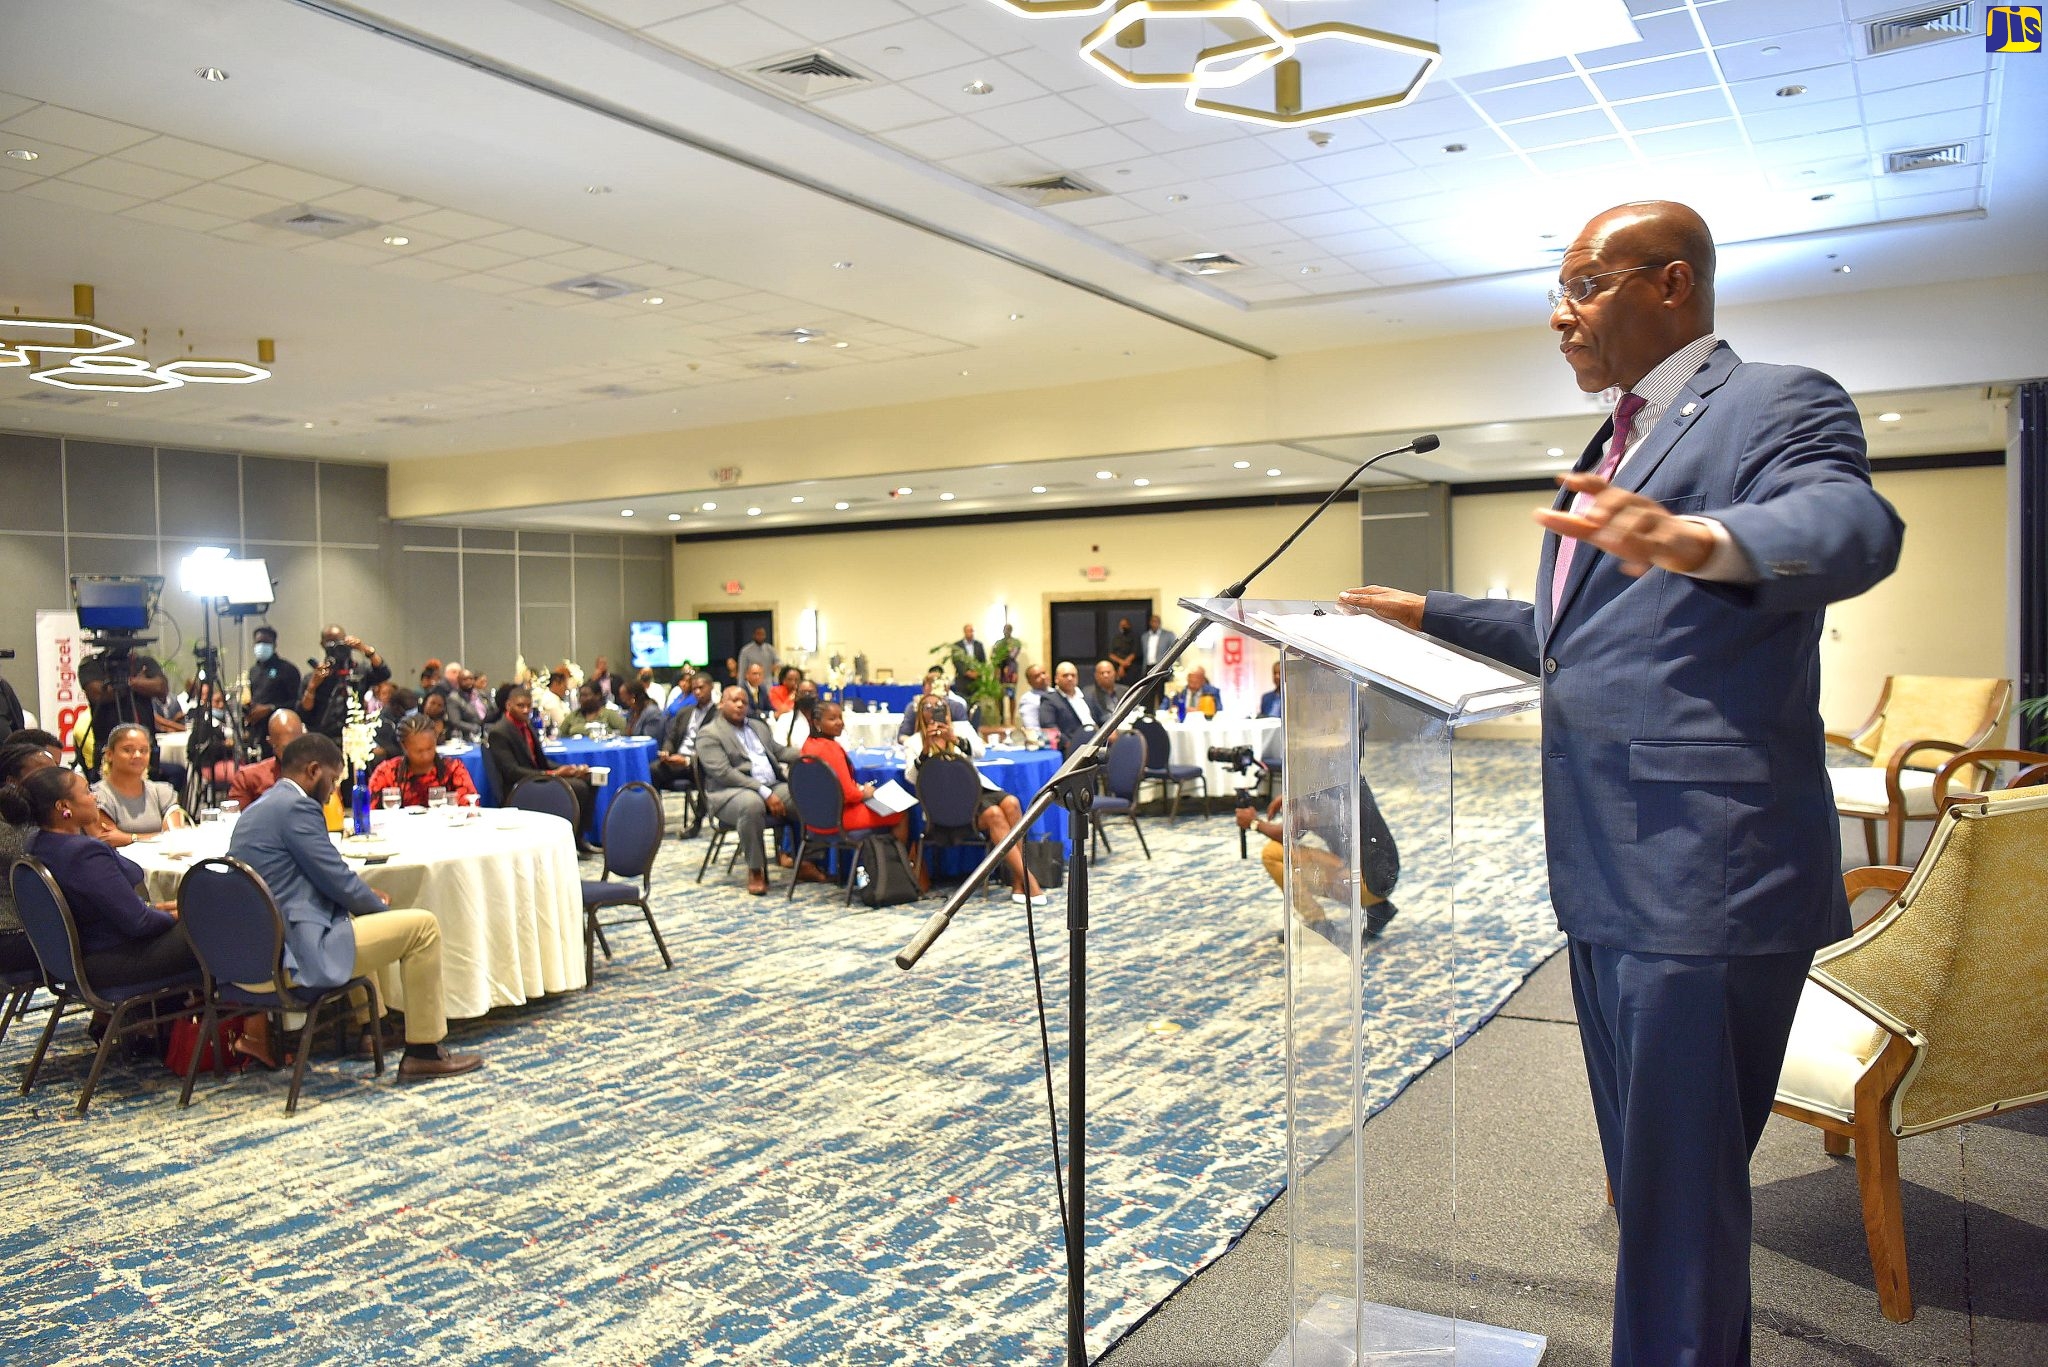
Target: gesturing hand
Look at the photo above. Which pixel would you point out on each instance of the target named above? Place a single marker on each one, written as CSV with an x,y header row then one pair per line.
x,y
1395,605
1639,532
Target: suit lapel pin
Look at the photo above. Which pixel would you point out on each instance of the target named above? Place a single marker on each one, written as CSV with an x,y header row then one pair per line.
x,y
1686,411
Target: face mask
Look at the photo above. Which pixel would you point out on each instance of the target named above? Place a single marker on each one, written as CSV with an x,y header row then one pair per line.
x,y
264,650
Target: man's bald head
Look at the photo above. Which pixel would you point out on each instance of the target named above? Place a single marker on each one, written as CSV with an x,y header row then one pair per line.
x,y
285,727
1659,231
1635,287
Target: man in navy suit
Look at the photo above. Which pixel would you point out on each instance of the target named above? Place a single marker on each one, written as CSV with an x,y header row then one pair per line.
x,y
335,927
1693,848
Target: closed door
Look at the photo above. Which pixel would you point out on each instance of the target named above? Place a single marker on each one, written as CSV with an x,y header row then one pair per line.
x,y
728,631
1082,631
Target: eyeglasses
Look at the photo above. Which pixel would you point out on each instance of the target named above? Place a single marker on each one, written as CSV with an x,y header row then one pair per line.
x,y
1579,288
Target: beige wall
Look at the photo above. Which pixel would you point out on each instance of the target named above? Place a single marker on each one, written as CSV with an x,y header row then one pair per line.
x,y
1942,612
896,594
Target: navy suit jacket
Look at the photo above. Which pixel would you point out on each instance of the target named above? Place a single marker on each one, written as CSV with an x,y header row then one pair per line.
x,y
284,838
1685,796
1056,713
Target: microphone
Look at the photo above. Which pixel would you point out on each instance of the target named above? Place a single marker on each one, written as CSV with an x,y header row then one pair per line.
x,y
1426,442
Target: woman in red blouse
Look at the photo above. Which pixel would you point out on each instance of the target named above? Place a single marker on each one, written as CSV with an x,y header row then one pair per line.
x,y
782,696
856,815
420,768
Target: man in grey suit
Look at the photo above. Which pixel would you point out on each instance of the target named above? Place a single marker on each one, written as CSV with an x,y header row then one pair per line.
x,y
1693,847
745,778
335,927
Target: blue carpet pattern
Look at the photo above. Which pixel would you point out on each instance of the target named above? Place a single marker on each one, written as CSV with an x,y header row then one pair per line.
x,y
783,1151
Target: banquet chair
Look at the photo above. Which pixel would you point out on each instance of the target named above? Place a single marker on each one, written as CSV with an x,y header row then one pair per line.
x,y
53,934
1121,777
632,839
18,987
720,830
1918,719
1929,1014
950,796
1983,767
814,791
1160,768
237,934
546,794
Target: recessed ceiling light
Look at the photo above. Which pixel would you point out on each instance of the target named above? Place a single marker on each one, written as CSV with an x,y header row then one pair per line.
x,y
1105,474
1454,147
1823,197
1176,199
397,241
1887,417
22,154
597,189
1016,317
842,265
977,88
710,507
1311,270
905,491
1038,488
1841,270
675,517
654,299
840,346
796,498
1554,451
210,73
625,512
963,372
1786,92
753,512
1142,483
1240,465
945,498
305,424
1271,473
842,507
1772,50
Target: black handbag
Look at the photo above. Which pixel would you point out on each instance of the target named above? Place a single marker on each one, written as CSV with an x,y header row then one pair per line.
x,y
882,876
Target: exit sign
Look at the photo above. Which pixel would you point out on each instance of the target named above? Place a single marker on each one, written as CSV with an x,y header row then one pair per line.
x,y
1095,573
733,587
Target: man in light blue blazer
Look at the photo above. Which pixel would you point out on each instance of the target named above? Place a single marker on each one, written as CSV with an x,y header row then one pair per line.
x,y
1693,847
335,927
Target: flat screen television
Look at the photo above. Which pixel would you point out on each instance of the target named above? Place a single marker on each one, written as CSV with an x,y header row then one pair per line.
x,y
670,645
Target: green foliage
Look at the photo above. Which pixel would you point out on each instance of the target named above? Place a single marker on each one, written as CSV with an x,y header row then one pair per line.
x,y
985,698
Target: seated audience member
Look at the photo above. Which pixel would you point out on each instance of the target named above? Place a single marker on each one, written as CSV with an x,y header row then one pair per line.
x,y
591,714
1031,703
746,781
476,691
254,780
824,744
1269,703
121,937
643,718
430,675
684,691
601,678
512,749
794,727
1066,708
656,691
727,675
995,812
934,689
421,768
1201,695
18,762
782,696
672,766
126,796
553,703
759,704
461,721
335,927
1105,690
434,707
399,704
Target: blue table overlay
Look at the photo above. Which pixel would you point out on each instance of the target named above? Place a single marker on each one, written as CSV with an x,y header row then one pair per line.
x,y
630,760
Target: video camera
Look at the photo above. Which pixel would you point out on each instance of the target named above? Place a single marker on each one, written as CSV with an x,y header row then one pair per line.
x,y
1243,761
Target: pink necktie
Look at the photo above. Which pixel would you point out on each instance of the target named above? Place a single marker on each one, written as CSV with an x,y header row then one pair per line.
x,y
1624,421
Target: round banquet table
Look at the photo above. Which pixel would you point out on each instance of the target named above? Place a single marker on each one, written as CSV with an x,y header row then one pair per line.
x,y
1018,772
503,885
894,697
870,730
630,758
1192,738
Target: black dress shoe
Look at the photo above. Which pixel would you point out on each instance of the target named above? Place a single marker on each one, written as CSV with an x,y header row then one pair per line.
x,y
444,1064
1376,918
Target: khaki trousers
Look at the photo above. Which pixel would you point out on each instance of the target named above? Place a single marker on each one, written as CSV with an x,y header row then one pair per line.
x,y
412,940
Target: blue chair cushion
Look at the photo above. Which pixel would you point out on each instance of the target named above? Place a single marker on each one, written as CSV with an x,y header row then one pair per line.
x,y
1111,805
602,894
1179,773
127,990
289,998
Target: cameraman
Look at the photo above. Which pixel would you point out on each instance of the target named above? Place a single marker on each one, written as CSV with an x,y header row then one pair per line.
x,y
1321,874
122,687
335,677
274,683
12,718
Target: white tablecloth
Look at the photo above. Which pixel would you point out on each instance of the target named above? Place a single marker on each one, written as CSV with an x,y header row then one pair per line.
x,y
170,746
1193,737
504,887
870,730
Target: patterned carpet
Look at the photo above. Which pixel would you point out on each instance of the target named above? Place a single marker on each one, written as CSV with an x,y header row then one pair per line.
x,y
783,1151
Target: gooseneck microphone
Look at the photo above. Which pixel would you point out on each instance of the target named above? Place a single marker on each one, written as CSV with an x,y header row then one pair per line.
x,y
1422,444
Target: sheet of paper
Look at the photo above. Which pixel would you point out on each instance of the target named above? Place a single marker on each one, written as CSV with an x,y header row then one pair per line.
x,y
892,799
1409,659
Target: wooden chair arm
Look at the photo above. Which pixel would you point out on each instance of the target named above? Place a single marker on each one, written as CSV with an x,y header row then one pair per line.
x,y
2034,770
1893,794
1891,878
1843,739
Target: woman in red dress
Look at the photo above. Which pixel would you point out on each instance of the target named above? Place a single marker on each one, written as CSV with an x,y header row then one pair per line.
x,y
421,767
856,815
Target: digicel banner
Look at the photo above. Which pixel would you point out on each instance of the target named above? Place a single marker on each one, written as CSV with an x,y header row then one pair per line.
x,y
60,645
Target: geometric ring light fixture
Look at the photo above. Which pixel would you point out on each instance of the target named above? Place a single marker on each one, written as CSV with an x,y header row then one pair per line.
x,y
82,346
1233,63
1287,107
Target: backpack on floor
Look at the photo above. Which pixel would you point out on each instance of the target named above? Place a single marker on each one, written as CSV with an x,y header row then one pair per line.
x,y
882,876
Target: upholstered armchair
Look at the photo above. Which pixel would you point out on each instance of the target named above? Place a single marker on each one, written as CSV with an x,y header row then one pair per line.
x,y
1920,720
1931,1013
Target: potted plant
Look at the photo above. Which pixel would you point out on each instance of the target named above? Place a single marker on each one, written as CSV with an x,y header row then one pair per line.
x,y
984,690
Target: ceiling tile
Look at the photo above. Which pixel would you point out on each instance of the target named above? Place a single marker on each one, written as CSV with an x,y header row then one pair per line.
x,y
1056,71
531,272
1841,142
1302,203
79,196
728,36
1225,158
583,259
1265,182
1665,76
1945,178
1132,177
1928,62
1822,84
73,129
185,158
826,23
1340,167
1776,55
171,216
283,181
919,47
1964,125
1513,75
451,223
880,108
1088,212
1819,174
1170,134
261,234
10,105
948,137
1081,149
411,269
981,26
50,158
1940,202
1115,105
1444,112
126,178
1796,119
947,88
1698,107
1739,21
641,13
1349,239
372,204
1049,116
1579,127
1216,218
1662,35
228,202
998,167
347,253
1725,136
1387,189
1958,92
1479,144
1559,161
1535,101
526,242
466,256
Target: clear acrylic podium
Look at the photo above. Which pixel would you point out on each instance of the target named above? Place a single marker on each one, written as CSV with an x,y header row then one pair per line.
x,y
1373,873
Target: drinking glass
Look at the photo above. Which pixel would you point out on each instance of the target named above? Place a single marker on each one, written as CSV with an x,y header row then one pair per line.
x,y
437,797
389,797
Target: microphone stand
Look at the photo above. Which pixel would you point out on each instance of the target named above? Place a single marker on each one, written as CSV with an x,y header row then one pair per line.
x,y
1074,788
